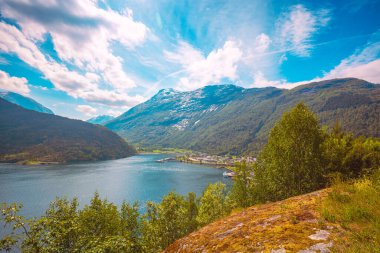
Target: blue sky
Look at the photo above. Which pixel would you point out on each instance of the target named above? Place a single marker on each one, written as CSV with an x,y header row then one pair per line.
x,y
87,58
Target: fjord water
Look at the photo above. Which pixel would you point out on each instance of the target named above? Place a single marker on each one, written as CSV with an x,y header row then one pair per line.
x,y
137,178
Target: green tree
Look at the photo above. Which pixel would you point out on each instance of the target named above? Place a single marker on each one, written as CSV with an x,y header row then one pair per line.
x,y
241,191
349,156
19,229
291,163
57,231
192,212
166,222
151,236
335,148
213,204
172,218
102,228
363,158
131,225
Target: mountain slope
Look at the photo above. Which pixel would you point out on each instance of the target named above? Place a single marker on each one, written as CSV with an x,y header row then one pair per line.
x,y
100,120
24,102
227,119
27,135
291,225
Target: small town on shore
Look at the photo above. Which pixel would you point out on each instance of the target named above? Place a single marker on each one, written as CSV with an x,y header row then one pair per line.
x,y
222,162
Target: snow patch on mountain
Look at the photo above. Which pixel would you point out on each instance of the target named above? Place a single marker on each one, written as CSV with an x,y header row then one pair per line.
x,y
181,125
212,108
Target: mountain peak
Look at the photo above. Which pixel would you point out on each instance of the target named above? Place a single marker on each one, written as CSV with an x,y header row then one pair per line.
x,y
228,119
167,92
100,119
23,101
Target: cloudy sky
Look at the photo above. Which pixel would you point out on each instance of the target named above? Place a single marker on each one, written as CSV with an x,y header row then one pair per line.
x,y
86,58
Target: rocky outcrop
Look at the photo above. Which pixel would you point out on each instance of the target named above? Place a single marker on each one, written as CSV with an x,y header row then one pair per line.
x,y
291,225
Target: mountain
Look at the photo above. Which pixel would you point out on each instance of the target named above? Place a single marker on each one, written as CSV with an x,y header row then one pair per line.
x,y
100,120
226,119
24,102
29,136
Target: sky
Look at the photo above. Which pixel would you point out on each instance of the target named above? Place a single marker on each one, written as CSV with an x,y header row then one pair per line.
x,y
87,58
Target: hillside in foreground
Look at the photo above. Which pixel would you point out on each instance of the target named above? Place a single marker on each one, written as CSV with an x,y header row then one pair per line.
x,y
291,225
32,137
227,119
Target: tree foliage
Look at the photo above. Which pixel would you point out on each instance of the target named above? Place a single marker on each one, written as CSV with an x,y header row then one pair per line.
x,y
103,227
242,192
301,156
213,204
291,163
349,156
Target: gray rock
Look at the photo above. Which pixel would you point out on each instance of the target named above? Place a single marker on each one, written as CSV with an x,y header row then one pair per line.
x,y
280,250
320,235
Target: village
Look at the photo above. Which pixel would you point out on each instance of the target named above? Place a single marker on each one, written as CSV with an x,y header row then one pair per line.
x,y
222,161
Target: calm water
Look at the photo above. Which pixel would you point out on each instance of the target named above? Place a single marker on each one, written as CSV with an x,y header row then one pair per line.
x,y
137,178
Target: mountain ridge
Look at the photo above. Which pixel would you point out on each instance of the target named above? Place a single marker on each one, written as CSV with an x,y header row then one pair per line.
x,y
100,119
228,119
30,136
25,102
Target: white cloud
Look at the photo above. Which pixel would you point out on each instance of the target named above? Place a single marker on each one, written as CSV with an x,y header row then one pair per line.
x,y
82,35
364,64
15,84
262,43
260,81
86,109
369,71
73,83
115,113
297,28
201,70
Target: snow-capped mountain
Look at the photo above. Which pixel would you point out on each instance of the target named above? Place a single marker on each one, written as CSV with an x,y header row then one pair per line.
x,y
224,119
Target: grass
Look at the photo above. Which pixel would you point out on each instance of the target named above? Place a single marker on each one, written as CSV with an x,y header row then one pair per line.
x,y
278,225
165,151
349,211
356,207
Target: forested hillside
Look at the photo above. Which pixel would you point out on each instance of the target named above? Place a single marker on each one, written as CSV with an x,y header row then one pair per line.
x,y
226,119
29,136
